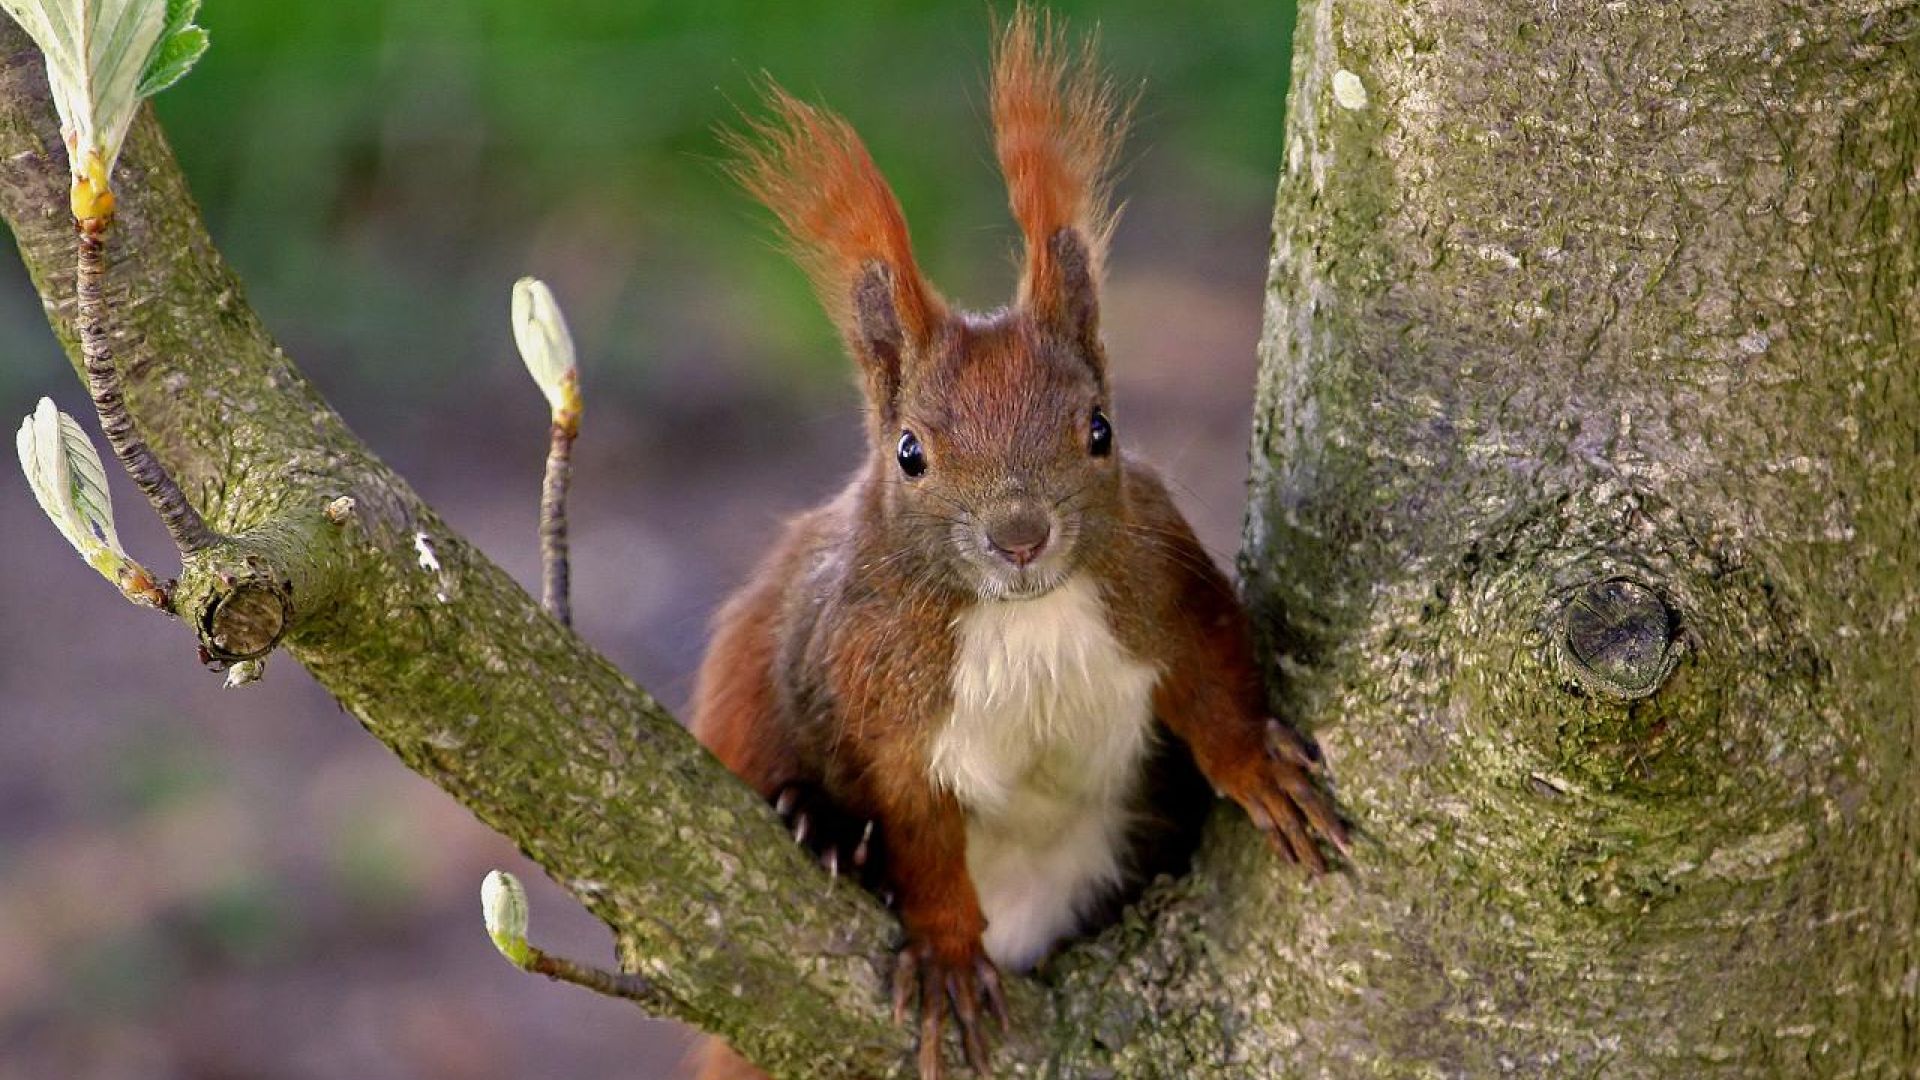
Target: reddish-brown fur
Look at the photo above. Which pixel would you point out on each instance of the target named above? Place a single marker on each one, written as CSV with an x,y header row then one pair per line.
x,y
832,668
1057,124
840,217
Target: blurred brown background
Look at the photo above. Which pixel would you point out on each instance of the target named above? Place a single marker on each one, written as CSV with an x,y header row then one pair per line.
x,y
200,883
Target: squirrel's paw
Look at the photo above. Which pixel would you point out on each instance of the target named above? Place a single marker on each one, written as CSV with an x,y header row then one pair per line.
x,y
1280,794
964,986
842,842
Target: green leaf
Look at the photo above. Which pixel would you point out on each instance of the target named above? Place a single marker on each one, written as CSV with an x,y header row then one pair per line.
x,y
173,59
181,46
180,15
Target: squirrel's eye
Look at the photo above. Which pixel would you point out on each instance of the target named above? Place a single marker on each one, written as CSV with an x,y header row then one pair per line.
x,y
1100,435
913,460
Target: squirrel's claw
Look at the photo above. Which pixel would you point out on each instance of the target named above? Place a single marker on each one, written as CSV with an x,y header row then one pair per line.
x,y
994,995
838,840
1283,799
904,967
1290,745
1287,832
966,1008
864,847
941,986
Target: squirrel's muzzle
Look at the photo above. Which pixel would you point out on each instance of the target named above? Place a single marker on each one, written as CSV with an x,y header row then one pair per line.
x,y
1020,535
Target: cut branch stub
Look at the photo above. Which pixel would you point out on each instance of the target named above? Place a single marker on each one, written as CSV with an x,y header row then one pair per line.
x,y
246,593
1618,638
247,622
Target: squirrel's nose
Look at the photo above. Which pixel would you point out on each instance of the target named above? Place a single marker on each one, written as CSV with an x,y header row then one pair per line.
x,y
1020,537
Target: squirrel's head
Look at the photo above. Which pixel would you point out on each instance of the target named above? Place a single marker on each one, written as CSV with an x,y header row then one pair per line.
x,y
991,434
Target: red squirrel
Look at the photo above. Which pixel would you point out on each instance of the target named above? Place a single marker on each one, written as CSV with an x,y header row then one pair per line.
x,y
968,649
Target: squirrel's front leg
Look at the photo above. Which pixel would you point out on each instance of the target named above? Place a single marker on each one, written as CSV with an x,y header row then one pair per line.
x,y
1257,762
1211,697
943,961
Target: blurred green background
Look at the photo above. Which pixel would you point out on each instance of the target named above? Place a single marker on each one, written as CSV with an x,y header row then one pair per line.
x,y
201,883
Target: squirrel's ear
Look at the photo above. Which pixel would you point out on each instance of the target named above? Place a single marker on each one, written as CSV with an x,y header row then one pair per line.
x,y
1057,125
846,230
1070,286
875,336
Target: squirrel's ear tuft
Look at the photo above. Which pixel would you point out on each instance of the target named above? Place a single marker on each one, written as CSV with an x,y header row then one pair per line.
x,y
1057,127
845,228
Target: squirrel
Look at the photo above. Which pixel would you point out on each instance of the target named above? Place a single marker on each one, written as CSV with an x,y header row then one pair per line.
x,y
975,647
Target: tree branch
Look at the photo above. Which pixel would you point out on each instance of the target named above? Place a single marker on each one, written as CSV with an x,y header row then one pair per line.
x,y
183,522
323,551
436,651
556,590
1583,526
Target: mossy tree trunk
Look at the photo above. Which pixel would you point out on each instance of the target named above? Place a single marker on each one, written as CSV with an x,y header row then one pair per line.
x,y
1585,525
1583,533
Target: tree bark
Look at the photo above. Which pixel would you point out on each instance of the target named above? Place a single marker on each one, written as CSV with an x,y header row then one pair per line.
x,y
1582,534
1584,521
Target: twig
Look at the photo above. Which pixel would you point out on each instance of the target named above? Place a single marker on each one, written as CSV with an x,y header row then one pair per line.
x,y
504,909
546,346
183,522
557,588
612,984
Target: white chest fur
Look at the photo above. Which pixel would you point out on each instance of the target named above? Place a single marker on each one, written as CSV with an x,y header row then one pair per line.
x,y
1045,748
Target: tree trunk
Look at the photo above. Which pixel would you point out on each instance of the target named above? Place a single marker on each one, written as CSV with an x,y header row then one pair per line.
x,y
1584,522
1583,534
